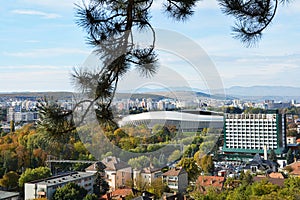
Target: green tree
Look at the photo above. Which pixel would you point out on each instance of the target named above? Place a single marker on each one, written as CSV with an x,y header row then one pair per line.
x,y
71,191
12,126
91,197
139,162
206,164
157,187
34,174
140,183
100,185
175,155
10,180
190,167
289,156
272,156
263,187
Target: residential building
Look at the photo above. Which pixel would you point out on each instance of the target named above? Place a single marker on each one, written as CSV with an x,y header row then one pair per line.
x,y
203,183
5,195
258,164
117,172
251,133
147,175
45,188
176,179
291,140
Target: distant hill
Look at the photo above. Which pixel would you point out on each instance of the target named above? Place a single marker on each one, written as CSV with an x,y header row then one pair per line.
x,y
264,91
256,93
156,97
49,95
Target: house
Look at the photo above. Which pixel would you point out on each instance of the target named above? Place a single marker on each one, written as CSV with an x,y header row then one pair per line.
x,y
45,188
205,182
147,174
119,194
117,172
176,179
258,164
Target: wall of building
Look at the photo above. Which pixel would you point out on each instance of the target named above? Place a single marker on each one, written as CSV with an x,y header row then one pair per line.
x,y
249,133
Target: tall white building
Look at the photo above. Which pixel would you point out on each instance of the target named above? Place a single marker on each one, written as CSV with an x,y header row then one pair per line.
x,y
250,133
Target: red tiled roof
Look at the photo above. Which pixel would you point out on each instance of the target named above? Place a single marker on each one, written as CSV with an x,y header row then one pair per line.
x,y
276,175
275,181
295,168
119,193
175,172
210,181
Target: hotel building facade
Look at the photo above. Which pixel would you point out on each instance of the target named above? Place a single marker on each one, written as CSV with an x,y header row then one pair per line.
x,y
251,133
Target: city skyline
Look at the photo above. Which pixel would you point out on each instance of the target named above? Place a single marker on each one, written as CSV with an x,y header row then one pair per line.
x,y
41,44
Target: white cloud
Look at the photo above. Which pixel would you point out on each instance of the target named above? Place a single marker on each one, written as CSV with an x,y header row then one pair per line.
x,y
43,78
33,67
37,13
57,4
50,52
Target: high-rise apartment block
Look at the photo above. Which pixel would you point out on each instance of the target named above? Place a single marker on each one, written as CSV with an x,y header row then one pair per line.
x,y
251,133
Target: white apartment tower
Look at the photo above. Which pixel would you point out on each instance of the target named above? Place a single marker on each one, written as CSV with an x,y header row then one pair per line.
x,y
251,133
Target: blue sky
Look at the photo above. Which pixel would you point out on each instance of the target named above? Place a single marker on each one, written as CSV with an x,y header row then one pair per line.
x,y
40,44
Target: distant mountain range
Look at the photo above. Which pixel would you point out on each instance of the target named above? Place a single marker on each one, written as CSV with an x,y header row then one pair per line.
x,y
259,93
280,93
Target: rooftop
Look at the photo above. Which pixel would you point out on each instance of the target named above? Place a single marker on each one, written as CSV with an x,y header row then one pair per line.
x,y
119,193
295,168
54,180
113,163
8,195
275,181
175,172
211,181
172,115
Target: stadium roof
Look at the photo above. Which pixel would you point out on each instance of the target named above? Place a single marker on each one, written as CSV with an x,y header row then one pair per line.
x,y
172,115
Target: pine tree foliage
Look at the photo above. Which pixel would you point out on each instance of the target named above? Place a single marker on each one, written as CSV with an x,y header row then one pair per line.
x,y
252,17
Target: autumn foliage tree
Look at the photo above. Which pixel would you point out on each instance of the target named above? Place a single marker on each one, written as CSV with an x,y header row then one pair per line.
x,y
10,180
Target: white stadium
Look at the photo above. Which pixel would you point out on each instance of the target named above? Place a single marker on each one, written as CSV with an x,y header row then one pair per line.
x,y
186,122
